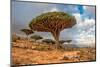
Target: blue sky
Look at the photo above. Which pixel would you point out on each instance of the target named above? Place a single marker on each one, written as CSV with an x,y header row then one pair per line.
x,y
24,12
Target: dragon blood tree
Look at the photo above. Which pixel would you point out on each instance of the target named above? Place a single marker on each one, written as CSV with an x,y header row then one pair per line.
x,y
53,22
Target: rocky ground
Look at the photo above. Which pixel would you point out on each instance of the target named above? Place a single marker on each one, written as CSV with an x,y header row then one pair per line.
x,y
27,52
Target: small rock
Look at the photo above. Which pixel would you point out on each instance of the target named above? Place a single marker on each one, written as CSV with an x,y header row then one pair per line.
x,y
65,58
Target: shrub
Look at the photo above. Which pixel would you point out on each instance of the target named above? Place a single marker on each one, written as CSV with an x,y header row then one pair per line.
x,y
36,37
63,41
48,41
15,37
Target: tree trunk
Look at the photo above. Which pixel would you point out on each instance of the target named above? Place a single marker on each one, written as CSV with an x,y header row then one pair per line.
x,y
27,38
56,37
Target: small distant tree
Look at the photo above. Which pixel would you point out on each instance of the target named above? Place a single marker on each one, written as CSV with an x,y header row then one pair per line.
x,y
62,41
48,41
36,37
69,41
27,32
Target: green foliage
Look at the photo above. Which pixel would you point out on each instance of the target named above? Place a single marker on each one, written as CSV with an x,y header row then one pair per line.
x,y
36,37
62,41
52,16
69,41
48,41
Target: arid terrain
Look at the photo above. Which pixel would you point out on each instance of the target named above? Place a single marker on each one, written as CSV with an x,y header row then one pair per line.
x,y
51,33
31,52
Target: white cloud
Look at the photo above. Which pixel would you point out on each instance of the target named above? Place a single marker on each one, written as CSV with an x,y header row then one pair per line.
x,y
84,7
86,30
78,17
89,22
85,22
51,10
54,9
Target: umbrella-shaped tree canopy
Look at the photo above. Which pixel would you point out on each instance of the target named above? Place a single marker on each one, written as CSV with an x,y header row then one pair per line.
x,y
27,31
53,22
